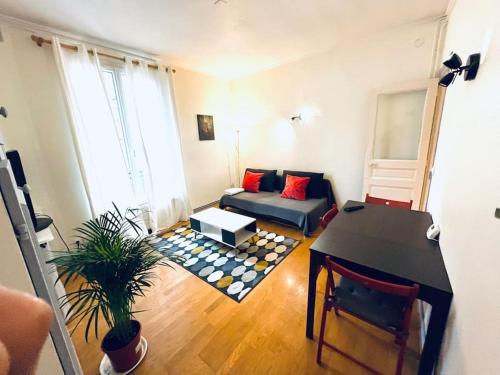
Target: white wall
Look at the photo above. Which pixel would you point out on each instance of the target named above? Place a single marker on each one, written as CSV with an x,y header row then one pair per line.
x,y
335,86
465,192
206,162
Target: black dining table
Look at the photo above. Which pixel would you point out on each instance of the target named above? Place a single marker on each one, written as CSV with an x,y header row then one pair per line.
x,y
389,244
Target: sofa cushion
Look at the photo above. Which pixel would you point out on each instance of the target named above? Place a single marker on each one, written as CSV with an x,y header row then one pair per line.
x,y
278,183
251,181
295,187
314,188
267,181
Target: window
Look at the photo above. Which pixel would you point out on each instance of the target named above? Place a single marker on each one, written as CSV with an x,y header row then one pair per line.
x,y
114,82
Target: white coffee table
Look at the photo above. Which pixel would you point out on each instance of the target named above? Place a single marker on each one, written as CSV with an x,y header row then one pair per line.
x,y
223,226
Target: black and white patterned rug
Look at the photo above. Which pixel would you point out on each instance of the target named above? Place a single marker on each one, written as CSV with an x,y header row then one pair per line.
x,y
235,272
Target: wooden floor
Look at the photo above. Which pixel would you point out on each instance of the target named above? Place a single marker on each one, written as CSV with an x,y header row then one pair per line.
x,y
192,328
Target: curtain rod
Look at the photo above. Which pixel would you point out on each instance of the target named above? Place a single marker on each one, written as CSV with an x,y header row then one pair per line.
x,y
40,41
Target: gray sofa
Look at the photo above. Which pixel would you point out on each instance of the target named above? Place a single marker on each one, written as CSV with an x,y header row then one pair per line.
x,y
303,214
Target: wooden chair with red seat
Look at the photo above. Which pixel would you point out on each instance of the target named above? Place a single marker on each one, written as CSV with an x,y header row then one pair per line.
x,y
388,202
385,305
328,216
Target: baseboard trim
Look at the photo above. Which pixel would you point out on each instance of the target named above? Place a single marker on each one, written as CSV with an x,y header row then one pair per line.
x,y
208,205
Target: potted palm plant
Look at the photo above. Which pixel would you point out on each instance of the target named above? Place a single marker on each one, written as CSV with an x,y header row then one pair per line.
x,y
113,264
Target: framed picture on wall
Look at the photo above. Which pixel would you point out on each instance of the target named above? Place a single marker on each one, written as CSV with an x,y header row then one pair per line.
x,y
206,128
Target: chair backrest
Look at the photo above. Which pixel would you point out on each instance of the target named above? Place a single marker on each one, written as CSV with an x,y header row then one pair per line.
x,y
388,202
409,293
328,216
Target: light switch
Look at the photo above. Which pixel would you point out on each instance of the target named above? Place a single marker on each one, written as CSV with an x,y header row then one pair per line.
x,y
497,213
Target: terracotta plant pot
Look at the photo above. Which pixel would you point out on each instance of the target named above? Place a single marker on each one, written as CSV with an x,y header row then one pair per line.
x,y
125,357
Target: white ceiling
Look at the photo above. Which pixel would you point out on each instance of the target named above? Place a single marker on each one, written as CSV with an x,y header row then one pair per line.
x,y
231,38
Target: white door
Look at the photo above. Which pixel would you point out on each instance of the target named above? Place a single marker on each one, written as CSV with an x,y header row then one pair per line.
x,y
398,143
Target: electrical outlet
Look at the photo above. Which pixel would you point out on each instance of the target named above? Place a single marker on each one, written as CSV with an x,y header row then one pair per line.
x,y
497,213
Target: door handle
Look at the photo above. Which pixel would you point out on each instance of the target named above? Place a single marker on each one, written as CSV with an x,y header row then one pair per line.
x,y
373,164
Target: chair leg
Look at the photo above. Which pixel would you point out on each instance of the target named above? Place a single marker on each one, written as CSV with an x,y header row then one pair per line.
x,y
401,357
336,311
321,334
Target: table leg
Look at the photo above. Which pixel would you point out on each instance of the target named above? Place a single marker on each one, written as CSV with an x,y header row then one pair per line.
x,y
435,333
315,262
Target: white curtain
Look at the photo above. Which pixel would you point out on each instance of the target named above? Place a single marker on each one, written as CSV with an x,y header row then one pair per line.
x,y
151,113
101,158
155,181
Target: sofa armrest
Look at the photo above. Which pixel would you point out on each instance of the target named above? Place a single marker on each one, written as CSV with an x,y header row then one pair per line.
x,y
328,192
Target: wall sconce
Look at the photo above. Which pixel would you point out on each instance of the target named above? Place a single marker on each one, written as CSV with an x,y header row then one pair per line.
x,y
454,63
306,115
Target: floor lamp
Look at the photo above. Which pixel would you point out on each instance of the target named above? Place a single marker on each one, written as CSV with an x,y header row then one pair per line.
x,y
233,162
238,156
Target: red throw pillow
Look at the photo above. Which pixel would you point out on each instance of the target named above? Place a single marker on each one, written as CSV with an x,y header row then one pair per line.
x,y
251,182
295,187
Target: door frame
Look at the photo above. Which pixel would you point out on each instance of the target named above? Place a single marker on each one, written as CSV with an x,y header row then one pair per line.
x,y
430,84
431,155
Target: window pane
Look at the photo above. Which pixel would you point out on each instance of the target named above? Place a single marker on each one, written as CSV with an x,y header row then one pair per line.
x,y
112,90
398,125
121,103
109,82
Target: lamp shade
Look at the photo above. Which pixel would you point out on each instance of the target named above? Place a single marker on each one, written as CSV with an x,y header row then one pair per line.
x,y
472,66
453,61
447,79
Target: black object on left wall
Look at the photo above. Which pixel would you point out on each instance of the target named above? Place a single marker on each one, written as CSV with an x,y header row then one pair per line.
x,y
39,222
